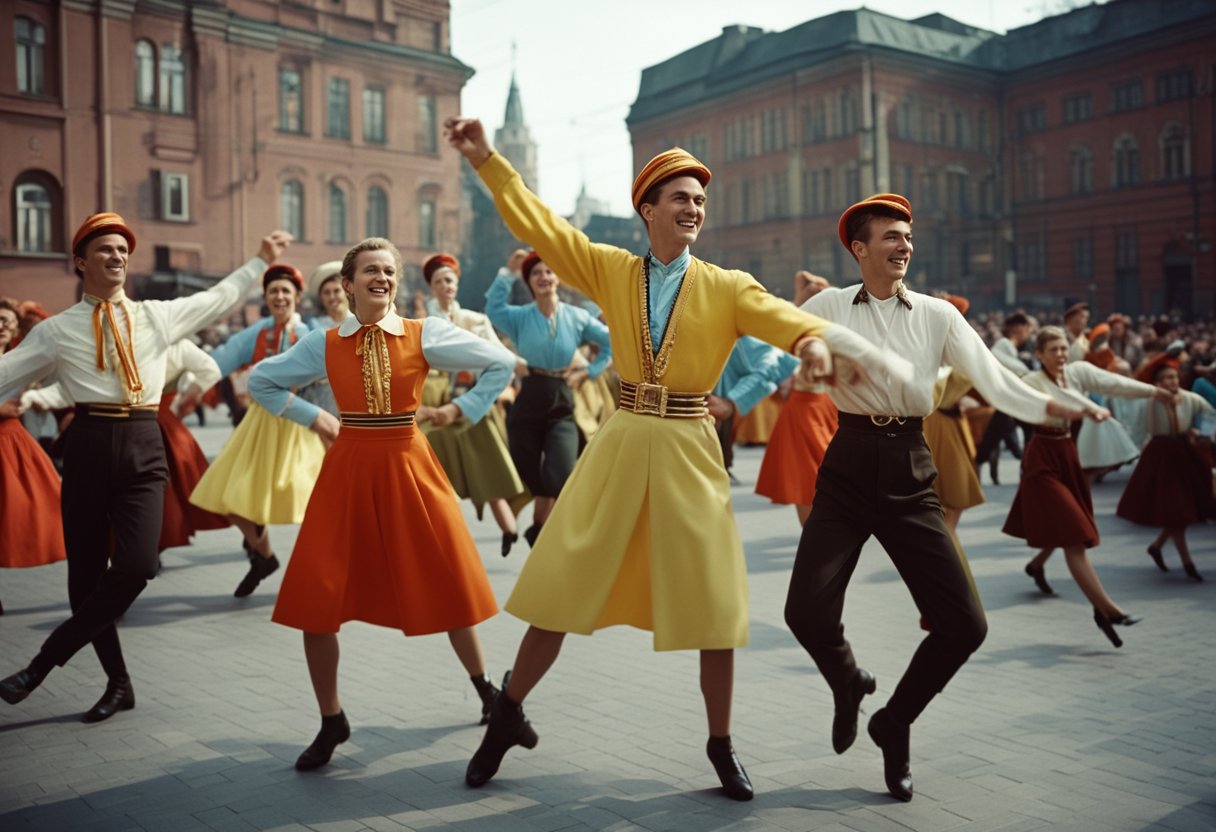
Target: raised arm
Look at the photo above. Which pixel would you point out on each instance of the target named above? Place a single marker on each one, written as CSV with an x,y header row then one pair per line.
x,y
237,351
1003,390
1092,377
448,347
501,313
272,379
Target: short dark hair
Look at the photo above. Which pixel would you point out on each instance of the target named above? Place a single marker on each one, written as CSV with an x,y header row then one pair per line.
x,y
858,226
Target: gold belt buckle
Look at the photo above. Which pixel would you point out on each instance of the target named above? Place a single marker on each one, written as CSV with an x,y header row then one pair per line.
x,y
883,421
652,399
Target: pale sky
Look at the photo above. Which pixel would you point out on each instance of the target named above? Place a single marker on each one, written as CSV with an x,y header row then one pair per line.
x,y
578,65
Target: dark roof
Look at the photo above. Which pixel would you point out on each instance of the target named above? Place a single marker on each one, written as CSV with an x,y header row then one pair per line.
x,y
743,56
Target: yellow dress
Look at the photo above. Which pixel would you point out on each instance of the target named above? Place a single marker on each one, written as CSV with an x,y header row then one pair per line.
x,y
948,436
643,532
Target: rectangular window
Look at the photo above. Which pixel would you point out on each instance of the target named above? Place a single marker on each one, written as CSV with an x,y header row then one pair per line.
x,y
373,115
31,47
1127,253
1032,118
1082,257
337,111
426,224
172,79
1078,107
428,126
961,129
982,129
1172,86
1125,96
174,197
852,185
291,101
33,218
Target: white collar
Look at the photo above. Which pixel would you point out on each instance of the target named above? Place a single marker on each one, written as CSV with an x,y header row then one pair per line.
x,y
391,323
93,300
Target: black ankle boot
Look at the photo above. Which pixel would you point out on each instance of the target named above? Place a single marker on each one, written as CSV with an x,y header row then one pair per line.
x,y
730,771
532,533
508,726
119,696
21,684
508,540
848,703
335,730
487,692
259,568
895,741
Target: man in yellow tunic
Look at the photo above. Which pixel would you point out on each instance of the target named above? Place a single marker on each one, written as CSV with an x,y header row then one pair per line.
x,y
643,533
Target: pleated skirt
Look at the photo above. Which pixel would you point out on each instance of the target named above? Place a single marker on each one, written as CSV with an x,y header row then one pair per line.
x,y
1170,487
1053,506
799,440
31,525
949,440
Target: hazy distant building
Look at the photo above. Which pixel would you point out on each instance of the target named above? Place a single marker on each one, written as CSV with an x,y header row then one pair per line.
x,y
514,141
1071,157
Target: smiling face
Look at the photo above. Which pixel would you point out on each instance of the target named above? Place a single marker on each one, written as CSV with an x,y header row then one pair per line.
x,y
675,218
887,251
1053,355
281,296
445,283
333,299
542,281
8,327
103,264
373,285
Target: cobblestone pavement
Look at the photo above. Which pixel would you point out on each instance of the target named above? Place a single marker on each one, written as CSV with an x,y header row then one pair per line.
x,y
1048,726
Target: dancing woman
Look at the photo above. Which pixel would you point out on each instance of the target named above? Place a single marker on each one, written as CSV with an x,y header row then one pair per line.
x,y
383,540
1053,507
266,470
547,334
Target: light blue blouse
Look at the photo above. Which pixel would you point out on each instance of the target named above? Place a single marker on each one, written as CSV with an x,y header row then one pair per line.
x,y
537,343
237,351
752,372
445,346
665,281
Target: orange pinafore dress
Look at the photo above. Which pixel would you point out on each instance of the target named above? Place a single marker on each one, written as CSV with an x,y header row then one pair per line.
x,y
383,539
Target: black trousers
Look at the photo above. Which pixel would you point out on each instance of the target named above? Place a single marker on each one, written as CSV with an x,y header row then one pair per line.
x,y
880,482
114,477
1000,426
542,435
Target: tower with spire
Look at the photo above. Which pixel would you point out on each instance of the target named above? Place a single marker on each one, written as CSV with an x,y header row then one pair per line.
x,y
513,140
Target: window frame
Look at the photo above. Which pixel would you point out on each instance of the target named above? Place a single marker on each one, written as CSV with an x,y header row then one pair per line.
x,y
30,53
167,180
332,106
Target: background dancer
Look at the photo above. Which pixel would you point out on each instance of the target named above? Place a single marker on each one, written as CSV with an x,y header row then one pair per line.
x,y
383,540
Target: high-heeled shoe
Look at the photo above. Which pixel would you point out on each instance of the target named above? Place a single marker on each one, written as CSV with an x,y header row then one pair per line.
x,y
335,730
1107,624
735,782
1154,552
1040,579
1192,572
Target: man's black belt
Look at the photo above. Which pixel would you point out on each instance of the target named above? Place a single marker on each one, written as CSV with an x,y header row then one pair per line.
x,y
881,424
104,411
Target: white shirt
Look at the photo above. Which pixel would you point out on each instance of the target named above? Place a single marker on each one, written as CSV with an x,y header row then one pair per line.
x,y
1006,353
1081,377
930,334
64,344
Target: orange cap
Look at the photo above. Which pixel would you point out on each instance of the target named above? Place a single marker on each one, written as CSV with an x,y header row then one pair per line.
x,y
104,223
440,261
960,303
669,163
893,202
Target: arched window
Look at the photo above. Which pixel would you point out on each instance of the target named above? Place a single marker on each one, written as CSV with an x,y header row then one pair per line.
x,y
291,208
1175,152
337,213
426,223
377,212
145,73
1081,170
31,46
1127,161
172,79
34,197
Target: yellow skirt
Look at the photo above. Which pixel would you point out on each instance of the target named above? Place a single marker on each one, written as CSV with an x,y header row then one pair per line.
x,y
600,560
949,440
266,471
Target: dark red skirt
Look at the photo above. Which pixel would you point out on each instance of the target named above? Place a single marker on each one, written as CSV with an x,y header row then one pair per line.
x,y
1053,507
186,466
1170,487
31,531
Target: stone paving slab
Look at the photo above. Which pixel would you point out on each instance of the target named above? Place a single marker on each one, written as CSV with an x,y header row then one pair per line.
x,y
1048,726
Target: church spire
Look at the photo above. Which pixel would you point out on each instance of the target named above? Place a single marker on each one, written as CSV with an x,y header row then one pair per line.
x,y
513,140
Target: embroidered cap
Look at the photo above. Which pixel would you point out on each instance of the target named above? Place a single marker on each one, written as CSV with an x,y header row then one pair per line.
x,y
440,261
892,202
669,163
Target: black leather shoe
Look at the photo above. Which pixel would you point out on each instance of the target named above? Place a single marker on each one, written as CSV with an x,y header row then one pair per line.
x,y
335,730
508,540
1040,579
20,685
1154,552
1189,568
259,568
531,533
848,703
1107,626
894,740
119,696
730,771
487,692
508,726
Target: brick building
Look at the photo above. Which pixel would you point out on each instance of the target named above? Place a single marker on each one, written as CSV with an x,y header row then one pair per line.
x,y
1071,157
208,123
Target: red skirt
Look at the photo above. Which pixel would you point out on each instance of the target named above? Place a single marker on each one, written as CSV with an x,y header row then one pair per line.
x,y
31,526
383,541
1053,507
186,466
1170,487
800,439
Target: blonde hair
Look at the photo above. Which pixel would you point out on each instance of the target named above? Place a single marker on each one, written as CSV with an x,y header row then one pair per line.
x,y
347,271
1048,334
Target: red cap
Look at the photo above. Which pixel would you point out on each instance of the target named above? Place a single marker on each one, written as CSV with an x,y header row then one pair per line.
x,y
529,263
440,261
282,271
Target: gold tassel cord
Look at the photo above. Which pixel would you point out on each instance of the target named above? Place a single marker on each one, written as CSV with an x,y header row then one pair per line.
x,y
377,374
126,351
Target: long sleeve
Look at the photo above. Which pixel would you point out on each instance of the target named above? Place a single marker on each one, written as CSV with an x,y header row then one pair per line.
x,y
448,347
237,351
596,333
1090,378
500,312
51,397
273,378
1003,390
36,357
747,378
188,357
185,316
1006,353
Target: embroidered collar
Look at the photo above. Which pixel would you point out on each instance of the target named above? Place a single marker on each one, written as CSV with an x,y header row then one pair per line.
x,y
863,296
391,323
